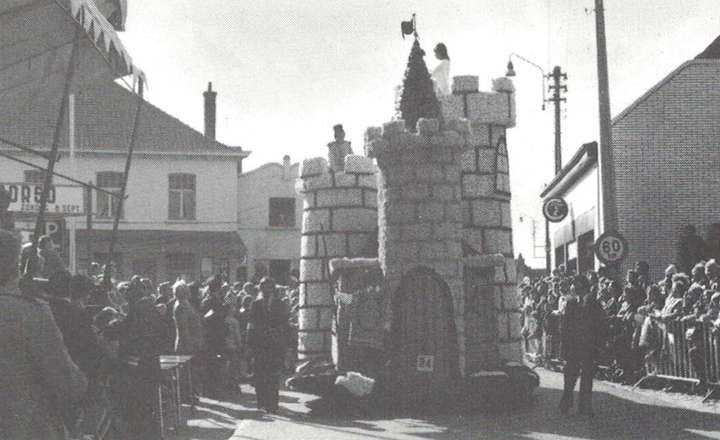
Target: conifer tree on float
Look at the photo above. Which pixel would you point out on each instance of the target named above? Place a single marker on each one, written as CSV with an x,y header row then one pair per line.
x,y
418,98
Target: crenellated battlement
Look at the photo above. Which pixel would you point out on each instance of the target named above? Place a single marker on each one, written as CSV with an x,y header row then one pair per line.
x,y
466,101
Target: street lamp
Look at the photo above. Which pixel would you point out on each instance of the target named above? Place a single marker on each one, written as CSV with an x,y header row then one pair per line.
x,y
557,75
511,72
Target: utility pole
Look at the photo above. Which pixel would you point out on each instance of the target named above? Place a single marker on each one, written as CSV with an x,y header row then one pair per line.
x,y
606,172
557,88
31,267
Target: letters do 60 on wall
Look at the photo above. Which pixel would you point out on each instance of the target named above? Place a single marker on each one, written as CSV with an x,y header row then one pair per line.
x,y
62,199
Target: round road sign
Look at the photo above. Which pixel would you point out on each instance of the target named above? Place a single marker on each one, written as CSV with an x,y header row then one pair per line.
x,y
611,247
555,209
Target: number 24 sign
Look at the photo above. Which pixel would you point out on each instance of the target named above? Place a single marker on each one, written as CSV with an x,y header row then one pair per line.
x,y
425,363
611,247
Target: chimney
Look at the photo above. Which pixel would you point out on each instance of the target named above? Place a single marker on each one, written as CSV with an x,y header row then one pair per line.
x,y
210,110
286,167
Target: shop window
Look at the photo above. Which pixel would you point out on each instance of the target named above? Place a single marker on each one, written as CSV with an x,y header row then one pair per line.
x,y
559,255
182,201
586,252
206,266
145,267
282,212
107,205
180,266
241,274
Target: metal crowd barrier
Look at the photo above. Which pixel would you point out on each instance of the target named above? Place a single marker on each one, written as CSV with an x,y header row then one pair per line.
x,y
673,359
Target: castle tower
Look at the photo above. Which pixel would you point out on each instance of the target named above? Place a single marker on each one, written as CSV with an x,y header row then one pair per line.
x,y
339,220
492,315
444,205
419,217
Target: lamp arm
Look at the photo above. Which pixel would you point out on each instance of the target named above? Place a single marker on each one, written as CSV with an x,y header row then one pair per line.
x,y
542,72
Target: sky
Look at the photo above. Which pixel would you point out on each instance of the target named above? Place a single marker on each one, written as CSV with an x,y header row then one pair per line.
x,y
287,71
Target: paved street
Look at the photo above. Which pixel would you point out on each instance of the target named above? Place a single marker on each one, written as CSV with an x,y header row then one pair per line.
x,y
621,413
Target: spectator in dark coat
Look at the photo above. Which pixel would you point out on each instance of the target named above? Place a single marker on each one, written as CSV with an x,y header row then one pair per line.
x,y
75,325
643,270
267,337
141,338
582,336
51,260
213,311
195,295
38,378
189,337
691,249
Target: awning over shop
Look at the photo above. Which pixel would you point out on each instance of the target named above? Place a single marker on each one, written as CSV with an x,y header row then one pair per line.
x,y
148,242
36,38
36,43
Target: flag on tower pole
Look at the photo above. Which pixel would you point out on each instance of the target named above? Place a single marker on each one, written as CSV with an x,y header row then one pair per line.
x,y
408,27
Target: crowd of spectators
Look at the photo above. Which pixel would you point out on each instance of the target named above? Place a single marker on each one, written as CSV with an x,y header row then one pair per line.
x,y
108,337
641,317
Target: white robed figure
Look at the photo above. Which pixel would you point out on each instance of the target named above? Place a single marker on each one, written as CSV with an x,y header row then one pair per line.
x,y
441,73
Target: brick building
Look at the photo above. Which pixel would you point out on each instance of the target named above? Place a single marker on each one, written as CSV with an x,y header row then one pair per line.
x,y
666,149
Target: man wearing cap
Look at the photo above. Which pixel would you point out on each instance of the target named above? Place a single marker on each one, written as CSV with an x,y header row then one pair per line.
x,y
582,336
38,378
267,338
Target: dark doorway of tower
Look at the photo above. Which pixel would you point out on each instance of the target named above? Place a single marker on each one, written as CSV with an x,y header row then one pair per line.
x,y
425,364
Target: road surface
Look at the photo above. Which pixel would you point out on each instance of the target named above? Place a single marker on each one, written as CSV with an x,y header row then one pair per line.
x,y
621,413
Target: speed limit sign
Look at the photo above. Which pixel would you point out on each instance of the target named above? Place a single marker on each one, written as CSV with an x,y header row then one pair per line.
x,y
611,247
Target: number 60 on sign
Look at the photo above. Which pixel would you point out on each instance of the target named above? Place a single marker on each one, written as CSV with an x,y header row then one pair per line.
x,y
611,247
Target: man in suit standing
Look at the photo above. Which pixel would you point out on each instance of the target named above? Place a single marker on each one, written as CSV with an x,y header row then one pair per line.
x,y
582,336
267,338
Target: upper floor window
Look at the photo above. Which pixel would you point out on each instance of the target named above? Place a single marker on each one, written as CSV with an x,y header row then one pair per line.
x,y
107,205
182,197
35,176
282,212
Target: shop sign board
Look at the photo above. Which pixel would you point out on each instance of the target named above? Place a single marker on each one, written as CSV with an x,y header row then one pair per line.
x,y
67,200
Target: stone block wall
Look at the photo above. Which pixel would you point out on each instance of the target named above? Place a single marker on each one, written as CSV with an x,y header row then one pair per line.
x,y
486,217
419,213
339,220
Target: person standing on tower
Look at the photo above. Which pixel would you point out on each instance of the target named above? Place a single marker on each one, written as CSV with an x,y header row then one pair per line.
x,y
338,149
441,74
